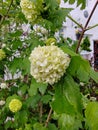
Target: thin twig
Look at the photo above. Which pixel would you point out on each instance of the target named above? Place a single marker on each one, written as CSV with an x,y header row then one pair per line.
x,y
3,18
48,118
91,27
84,29
79,25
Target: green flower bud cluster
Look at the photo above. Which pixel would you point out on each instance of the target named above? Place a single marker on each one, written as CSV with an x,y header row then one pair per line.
x,y
31,10
15,105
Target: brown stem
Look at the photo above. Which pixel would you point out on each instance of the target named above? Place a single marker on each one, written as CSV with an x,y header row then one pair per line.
x,y
3,18
84,29
48,118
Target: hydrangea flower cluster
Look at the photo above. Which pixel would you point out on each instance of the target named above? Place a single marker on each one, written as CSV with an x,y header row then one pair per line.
x,y
31,9
2,54
15,105
48,63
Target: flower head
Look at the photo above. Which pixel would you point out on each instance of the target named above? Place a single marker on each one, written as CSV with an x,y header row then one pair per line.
x,y
31,9
48,63
2,54
15,105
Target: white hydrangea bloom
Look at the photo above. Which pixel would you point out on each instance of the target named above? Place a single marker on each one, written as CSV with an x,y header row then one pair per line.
x,y
3,86
30,10
48,63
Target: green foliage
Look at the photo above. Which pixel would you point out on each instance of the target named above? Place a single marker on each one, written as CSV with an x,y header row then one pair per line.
x,y
85,44
91,114
37,86
79,2
69,122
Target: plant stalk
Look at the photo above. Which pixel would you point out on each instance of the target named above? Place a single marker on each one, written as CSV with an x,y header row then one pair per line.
x,y
91,27
48,118
84,29
75,21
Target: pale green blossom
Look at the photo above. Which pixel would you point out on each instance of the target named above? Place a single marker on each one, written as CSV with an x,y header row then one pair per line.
x,y
48,63
15,105
30,9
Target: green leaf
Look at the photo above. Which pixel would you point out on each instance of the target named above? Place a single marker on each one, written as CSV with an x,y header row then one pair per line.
x,y
28,127
72,93
46,98
58,16
60,103
15,64
42,88
83,2
79,68
23,89
79,2
69,122
71,1
21,117
32,101
68,51
83,75
52,4
39,126
91,114
35,86
52,127
16,34
25,66
16,44
94,75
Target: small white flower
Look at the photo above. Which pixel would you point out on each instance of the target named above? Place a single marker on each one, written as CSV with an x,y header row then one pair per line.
x,y
82,84
9,119
48,63
3,45
19,93
40,30
93,98
3,86
2,103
